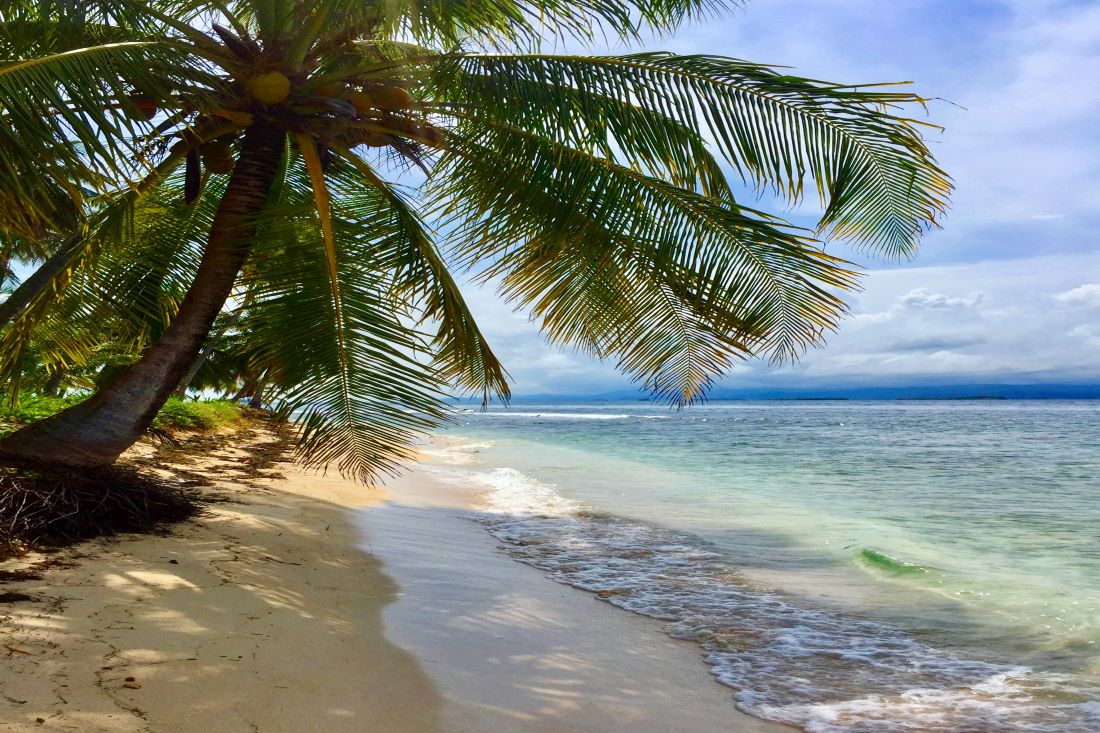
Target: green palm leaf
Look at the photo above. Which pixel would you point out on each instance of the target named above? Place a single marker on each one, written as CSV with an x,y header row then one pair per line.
x,y
65,112
546,220
874,174
356,379
463,355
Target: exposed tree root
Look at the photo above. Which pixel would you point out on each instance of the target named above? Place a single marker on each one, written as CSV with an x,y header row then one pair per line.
x,y
44,505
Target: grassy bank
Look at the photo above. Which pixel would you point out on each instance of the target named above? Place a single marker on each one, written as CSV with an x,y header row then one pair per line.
x,y
177,414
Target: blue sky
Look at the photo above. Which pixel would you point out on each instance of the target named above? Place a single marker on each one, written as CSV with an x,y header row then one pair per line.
x,y
1009,291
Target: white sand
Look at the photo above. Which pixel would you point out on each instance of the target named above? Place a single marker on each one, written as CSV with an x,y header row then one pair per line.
x,y
292,612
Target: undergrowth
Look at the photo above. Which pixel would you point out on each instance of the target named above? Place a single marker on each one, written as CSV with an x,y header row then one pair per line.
x,y
177,413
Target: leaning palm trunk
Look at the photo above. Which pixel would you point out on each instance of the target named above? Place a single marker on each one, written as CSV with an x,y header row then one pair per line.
x,y
39,280
204,354
256,401
52,388
97,431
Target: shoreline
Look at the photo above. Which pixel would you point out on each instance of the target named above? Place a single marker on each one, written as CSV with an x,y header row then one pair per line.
x,y
309,602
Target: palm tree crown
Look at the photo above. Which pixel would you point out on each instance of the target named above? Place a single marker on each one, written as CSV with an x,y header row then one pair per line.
x,y
594,190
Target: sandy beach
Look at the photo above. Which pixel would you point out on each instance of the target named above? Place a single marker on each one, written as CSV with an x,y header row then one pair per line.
x,y
309,603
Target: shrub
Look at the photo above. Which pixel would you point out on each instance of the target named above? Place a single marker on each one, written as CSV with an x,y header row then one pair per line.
x,y
34,407
178,414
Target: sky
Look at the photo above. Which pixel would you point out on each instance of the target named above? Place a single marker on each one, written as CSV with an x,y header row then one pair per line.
x,y
1009,290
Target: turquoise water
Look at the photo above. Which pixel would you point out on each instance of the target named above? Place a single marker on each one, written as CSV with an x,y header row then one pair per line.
x,y
846,566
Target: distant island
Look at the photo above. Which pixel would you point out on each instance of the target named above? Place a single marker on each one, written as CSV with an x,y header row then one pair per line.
x,y
808,399
952,399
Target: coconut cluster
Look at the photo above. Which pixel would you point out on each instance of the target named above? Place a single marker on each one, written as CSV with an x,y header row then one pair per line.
x,y
271,87
377,113
217,156
372,112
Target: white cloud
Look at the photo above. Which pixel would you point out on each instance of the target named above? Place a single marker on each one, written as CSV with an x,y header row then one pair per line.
x,y
1088,294
1087,333
996,320
925,298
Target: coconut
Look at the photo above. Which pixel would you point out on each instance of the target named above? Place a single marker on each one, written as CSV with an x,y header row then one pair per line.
x,y
216,149
217,156
363,102
388,97
331,89
270,88
431,135
402,124
144,107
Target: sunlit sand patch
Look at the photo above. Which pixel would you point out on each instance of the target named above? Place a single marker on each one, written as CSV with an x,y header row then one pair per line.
x,y
135,579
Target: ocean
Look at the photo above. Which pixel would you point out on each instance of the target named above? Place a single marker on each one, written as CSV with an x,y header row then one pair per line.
x,y
843,566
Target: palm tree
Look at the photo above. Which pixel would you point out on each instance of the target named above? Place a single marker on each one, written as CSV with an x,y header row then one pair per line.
x,y
328,160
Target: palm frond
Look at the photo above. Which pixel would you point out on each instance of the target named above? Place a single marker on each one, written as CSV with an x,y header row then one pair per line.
x,y
497,22
462,354
67,123
111,225
581,240
355,381
876,179
604,120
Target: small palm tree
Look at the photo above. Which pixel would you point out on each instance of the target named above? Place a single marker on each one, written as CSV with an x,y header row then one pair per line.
x,y
319,165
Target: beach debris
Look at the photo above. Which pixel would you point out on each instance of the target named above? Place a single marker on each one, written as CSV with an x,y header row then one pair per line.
x,y
7,576
16,650
51,505
131,685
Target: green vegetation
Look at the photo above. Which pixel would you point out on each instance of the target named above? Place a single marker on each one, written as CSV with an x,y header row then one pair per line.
x,y
176,414
31,408
884,562
179,414
218,194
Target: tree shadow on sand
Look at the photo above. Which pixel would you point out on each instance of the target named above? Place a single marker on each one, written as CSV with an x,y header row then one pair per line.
x,y
261,615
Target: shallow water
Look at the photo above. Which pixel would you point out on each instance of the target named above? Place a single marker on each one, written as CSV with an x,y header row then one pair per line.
x,y
906,566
